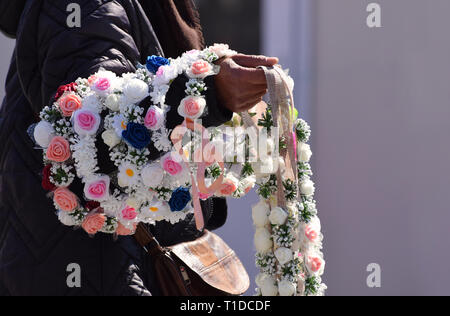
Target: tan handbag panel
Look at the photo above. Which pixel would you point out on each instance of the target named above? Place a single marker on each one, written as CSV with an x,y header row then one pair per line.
x,y
215,262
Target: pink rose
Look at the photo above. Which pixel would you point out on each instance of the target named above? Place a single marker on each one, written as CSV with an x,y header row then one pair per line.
x,y
315,264
248,189
97,190
123,231
154,118
93,223
129,213
201,68
160,72
86,122
171,163
58,150
192,107
65,200
311,233
69,103
203,196
92,79
102,84
228,187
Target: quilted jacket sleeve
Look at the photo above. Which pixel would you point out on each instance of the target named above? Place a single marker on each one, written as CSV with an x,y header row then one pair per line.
x,y
114,35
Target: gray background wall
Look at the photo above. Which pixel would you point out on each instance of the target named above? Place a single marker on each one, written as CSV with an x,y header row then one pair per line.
x,y
378,102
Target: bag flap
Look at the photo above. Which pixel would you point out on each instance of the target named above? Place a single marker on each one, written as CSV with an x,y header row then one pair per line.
x,y
215,262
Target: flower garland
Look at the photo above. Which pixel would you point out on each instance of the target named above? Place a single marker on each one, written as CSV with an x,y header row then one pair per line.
x,y
127,114
289,241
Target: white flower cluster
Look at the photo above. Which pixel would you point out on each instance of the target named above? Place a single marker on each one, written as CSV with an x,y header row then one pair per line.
x,y
61,175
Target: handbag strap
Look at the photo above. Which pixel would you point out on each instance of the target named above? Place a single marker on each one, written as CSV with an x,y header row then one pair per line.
x,y
146,239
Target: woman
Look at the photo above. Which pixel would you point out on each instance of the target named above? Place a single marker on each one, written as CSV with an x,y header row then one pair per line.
x,y
35,249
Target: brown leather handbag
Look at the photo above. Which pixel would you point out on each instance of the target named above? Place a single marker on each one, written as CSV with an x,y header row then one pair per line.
x,y
204,267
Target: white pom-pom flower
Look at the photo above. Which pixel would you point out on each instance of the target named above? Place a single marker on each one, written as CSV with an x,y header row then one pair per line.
x,y
286,288
267,284
263,240
304,152
307,187
260,214
43,133
152,175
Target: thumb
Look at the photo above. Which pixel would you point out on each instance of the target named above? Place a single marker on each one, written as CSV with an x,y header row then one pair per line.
x,y
251,61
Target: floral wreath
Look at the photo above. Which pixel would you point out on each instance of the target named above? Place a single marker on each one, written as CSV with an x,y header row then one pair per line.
x,y
140,190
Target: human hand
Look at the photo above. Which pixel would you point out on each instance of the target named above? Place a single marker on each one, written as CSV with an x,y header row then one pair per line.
x,y
240,85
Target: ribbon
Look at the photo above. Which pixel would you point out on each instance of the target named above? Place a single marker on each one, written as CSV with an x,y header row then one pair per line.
x,y
198,183
282,103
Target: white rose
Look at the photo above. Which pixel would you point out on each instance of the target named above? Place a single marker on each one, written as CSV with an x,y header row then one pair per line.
x,y
283,255
304,152
286,288
43,133
268,285
165,74
110,138
66,219
135,90
260,214
152,175
278,216
307,187
263,240
112,102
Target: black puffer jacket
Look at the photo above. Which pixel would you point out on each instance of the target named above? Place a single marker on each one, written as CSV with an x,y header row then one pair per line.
x,y
35,249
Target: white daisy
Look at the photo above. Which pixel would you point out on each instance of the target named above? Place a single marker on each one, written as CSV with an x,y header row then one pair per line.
x,y
128,175
119,124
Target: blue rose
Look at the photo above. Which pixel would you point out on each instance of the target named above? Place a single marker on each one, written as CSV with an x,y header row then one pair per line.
x,y
137,135
154,62
180,199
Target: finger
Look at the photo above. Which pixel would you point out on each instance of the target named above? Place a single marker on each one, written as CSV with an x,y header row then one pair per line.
x,y
254,91
252,75
251,98
249,105
253,61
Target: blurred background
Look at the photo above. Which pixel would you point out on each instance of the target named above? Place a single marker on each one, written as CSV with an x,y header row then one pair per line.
x,y
378,103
